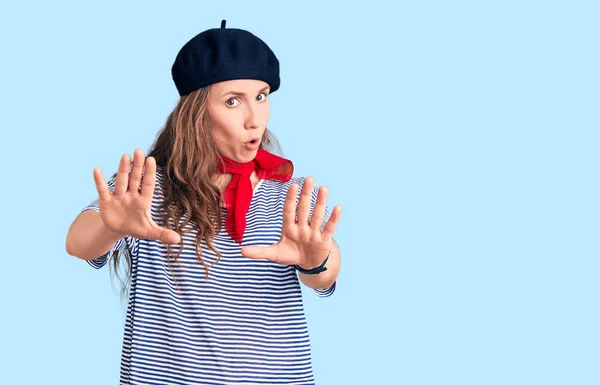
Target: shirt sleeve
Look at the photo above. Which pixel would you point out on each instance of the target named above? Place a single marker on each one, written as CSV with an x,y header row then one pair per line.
x,y
315,192
128,242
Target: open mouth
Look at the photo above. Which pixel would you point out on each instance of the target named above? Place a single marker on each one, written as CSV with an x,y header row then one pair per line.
x,y
252,144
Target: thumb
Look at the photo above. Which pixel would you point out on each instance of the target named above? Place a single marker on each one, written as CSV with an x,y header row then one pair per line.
x,y
165,235
260,252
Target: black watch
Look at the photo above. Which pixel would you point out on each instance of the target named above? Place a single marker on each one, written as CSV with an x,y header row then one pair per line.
x,y
317,270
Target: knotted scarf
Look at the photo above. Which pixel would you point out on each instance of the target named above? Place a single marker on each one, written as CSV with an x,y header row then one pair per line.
x,y
238,194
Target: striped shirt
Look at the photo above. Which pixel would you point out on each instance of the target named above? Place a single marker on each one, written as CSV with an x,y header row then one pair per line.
x,y
244,324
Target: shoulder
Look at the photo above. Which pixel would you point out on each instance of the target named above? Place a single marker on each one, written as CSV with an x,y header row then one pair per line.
x,y
160,177
159,184
280,188
159,171
283,185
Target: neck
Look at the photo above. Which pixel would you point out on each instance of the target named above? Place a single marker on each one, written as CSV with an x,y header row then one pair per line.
x,y
223,180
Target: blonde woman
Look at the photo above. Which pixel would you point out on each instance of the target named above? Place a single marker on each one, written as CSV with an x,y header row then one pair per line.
x,y
217,232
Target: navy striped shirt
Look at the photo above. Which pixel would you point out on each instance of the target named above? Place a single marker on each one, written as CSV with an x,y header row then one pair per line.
x,y
244,324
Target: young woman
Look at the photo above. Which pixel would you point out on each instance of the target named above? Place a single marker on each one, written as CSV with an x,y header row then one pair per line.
x,y
217,232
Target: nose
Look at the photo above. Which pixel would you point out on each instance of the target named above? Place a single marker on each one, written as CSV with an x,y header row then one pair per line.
x,y
251,118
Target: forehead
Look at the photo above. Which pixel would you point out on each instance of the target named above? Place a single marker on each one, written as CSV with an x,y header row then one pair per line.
x,y
246,86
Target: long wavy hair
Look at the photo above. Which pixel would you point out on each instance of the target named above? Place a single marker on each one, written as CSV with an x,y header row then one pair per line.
x,y
188,154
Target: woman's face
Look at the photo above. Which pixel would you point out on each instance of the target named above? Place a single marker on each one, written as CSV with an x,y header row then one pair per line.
x,y
238,111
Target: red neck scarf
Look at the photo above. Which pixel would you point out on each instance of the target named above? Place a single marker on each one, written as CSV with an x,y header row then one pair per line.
x,y
239,192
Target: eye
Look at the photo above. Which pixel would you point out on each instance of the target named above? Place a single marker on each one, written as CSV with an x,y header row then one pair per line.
x,y
229,100
262,93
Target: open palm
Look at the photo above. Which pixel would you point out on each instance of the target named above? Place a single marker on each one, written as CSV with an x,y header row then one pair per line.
x,y
302,242
127,209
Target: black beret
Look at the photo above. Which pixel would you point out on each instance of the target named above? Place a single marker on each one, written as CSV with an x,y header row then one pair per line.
x,y
221,54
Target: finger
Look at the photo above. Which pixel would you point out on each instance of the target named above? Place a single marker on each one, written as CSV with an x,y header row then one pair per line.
x,y
101,186
289,206
332,223
149,178
135,176
316,219
170,236
270,253
260,252
164,235
305,200
122,175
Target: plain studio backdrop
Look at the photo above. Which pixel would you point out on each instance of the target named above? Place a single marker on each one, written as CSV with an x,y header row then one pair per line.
x,y
460,138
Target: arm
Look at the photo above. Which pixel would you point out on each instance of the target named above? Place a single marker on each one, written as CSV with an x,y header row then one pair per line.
x,y
88,238
325,279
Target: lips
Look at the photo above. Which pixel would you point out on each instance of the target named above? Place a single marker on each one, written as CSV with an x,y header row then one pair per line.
x,y
252,144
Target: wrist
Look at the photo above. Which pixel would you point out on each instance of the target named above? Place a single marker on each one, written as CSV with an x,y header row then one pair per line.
x,y
113,234
314,269
313,265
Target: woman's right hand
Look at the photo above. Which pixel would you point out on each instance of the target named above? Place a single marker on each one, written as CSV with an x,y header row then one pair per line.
x,y
127,210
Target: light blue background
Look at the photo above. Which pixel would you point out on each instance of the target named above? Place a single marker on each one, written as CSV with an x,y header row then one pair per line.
x,y
460,138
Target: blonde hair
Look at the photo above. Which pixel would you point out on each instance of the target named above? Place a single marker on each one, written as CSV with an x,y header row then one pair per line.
x,y
188,155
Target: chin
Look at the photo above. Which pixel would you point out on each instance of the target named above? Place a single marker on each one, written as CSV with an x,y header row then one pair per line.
x,y
249,156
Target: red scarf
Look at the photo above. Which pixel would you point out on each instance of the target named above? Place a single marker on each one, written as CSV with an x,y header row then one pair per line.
x,y
239,192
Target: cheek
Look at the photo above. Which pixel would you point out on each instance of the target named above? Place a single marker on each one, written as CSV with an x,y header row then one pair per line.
x,y
221,134
266,111
221,124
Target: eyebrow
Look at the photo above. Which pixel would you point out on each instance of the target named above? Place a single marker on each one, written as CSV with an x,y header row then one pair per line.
x,y
241,93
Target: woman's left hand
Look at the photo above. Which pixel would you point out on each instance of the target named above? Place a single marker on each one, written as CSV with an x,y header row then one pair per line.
x,y
302,242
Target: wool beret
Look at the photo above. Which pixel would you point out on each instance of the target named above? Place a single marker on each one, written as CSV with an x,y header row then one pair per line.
x,y
221,54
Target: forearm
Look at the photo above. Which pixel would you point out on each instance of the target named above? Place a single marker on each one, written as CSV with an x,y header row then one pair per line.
x,y
88,237
325,279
